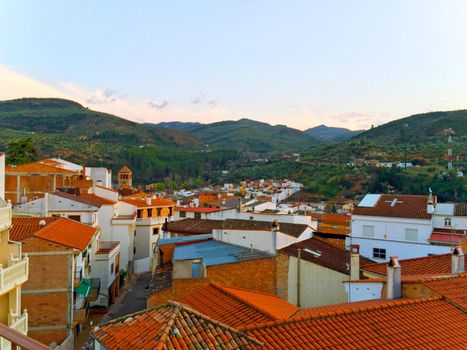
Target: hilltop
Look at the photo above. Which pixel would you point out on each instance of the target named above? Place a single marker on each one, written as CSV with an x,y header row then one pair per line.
x,y
248,135
328,133
420,127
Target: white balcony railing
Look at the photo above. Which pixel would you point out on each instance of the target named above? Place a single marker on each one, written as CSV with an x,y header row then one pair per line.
x,y
17,322
15,274
5,215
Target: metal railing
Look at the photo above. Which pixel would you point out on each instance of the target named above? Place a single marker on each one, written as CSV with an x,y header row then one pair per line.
x,y
15,274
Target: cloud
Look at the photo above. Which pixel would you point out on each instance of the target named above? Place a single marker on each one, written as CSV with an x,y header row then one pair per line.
x,y
198,98
158,105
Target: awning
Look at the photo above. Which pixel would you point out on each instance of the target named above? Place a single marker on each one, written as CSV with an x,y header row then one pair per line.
x,y
84,288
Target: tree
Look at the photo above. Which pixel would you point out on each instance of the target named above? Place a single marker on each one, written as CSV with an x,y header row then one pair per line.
x,y
22,151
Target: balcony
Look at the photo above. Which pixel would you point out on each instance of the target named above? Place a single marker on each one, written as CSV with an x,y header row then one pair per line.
x,y
14,336
15,274
5,215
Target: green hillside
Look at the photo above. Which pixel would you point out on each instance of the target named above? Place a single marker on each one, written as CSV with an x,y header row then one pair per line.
x,y
420,126
328,133
252,136
67,129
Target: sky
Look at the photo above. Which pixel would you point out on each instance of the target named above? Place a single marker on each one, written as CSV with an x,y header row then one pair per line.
x,y
301,63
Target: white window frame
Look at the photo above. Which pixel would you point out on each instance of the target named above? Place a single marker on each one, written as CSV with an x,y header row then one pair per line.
x,y
447,221
365,234
379,253
411,233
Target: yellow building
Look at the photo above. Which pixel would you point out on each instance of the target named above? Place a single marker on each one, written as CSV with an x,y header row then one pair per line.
x,y
13,273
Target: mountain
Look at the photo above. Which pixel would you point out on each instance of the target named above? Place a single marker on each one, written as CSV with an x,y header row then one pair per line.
x,y
418,127
328,133
250,136
176,125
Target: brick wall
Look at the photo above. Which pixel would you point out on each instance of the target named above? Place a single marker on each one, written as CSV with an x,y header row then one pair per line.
x,y
48,337
282,275
257,275
43,295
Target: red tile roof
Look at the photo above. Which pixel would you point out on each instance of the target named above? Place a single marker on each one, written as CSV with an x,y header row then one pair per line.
x,y
199,210
69,233
155,202
171,326
407,206
403,324
66,232
294,230
88,199
328,255
453,289
236,307
25,227
37,167
193,226
426,265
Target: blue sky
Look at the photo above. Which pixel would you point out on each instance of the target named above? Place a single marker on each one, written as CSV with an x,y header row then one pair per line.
x,y
300,63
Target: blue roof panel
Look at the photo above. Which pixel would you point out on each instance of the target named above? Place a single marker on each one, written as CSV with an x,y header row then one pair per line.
x,y
212,252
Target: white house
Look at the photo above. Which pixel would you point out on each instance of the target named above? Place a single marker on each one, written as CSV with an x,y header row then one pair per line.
x,y
400,225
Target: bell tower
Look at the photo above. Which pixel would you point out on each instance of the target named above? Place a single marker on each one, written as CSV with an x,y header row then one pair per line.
x,y
125,178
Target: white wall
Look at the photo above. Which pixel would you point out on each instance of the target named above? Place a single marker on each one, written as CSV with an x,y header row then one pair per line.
x,y
2,175
391,228
260,240
106,193
360,291
100,176
401,249
319,285
104,218
123,232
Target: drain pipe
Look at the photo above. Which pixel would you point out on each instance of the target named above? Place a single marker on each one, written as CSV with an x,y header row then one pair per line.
x,y
299,257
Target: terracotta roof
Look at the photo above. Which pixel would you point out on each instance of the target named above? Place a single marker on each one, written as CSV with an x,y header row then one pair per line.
x,y
403,324
199,210
454,289
294,230
406,206
171,326
125,169
99,201
451,237
426,265
193,226
155,202
89,199
69,233
339,231
350,307
106,247
82,183
326,255
236,306
106,188
460,209
25,227
63,231
37,167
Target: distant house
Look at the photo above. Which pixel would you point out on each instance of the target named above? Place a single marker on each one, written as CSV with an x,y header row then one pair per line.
x,y
384,225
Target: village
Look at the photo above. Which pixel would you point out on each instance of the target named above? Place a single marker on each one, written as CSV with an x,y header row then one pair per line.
x,y
86,263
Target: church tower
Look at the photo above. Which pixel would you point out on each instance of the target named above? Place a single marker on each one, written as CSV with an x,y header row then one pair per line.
x,y
125,178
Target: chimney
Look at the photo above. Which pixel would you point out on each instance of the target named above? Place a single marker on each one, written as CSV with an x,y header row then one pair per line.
x,y
458,260
84,173
354,262
430,208
148,200
275,229
393,279
464,241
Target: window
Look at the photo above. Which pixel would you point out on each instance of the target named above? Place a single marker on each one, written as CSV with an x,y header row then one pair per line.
x,y
447,222
196,271
183,214
411,234
134,250
197,215
75,217
155,231
368,231
379,253
139,214
112,268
